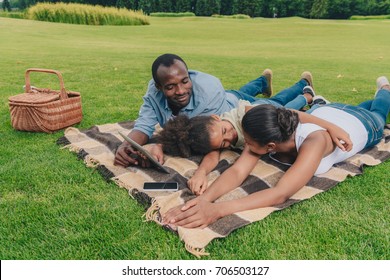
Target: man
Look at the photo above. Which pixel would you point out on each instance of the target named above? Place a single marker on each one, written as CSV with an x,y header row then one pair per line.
x,y
175,90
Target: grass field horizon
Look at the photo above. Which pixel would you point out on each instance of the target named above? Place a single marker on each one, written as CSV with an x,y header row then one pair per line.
x,y
54,207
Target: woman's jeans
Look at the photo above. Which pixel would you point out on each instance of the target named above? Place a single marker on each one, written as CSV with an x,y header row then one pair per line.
x,y
291,97
371,113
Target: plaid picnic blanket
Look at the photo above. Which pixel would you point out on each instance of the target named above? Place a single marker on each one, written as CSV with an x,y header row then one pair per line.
x,y
97,145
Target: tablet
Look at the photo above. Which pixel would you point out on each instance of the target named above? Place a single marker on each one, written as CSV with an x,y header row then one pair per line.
x,y
140,149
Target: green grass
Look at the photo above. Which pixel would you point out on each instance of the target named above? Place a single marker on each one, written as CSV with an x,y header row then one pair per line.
x,y
53,207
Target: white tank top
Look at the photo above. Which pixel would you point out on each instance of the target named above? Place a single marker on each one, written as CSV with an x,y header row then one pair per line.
x,y
349,123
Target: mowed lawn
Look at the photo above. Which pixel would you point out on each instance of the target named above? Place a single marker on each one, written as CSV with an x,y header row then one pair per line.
x,y
53,207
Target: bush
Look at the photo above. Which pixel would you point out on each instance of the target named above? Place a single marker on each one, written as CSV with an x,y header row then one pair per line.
x,y
19,15
369,17
237,16
86,14
186,14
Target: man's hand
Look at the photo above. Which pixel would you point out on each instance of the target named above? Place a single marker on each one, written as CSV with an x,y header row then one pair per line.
x,y
125,154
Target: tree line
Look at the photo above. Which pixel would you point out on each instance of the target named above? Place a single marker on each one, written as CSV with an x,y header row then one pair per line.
x,y
324,9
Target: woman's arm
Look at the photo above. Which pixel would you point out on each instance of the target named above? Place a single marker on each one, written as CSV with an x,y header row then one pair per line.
x,y
339,136
203,212
198,182
228,181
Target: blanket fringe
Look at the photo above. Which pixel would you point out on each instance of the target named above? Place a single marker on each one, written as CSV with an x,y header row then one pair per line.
x,y
121,184
91,162
197,252
153,213
63,141
71,147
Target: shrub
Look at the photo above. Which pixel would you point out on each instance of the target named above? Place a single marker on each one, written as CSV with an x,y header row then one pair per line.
x,y
86,14
369,17
186,14
19,15
237,16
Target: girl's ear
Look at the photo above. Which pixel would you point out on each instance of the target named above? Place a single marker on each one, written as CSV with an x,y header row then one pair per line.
x,y
216,117
271,146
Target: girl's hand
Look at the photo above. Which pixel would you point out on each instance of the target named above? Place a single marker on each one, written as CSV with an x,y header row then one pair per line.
x,y
156,151
341,138
198,183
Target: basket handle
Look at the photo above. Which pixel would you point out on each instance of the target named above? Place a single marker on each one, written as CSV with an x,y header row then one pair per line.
x,y
63,94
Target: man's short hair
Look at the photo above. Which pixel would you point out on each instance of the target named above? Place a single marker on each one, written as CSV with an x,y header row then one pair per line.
x,y
167,60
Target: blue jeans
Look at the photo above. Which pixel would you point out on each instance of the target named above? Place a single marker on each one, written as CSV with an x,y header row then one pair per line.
x,y
291,97
371,113
251,89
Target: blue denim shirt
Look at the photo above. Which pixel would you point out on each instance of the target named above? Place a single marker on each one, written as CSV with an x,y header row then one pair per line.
x,y
208,97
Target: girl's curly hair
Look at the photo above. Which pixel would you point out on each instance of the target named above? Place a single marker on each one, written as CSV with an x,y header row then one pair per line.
x,y
183,136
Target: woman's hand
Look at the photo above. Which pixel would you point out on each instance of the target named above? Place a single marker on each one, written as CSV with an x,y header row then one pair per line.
x,y
195,213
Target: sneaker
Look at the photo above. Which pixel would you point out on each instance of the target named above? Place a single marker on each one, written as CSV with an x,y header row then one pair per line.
x,y
319,100
309,90
308,77
267,73
382,82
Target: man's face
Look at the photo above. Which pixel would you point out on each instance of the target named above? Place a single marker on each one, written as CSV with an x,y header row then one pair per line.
x,y
175,83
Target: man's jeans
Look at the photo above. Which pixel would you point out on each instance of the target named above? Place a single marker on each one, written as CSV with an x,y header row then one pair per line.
x,y
291,97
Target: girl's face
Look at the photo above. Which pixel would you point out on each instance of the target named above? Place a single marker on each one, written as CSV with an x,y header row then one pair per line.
x,y
255,147
222,134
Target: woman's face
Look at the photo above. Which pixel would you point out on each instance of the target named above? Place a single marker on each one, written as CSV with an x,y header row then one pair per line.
x,y
254,146
222,134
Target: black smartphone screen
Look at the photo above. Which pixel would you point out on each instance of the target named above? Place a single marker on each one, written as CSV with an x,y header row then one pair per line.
x,y
161,186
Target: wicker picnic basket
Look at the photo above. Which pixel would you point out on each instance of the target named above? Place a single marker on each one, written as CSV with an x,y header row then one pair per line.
x,y
43,109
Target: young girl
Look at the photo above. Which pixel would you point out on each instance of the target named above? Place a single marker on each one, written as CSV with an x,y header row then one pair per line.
x,y
280,130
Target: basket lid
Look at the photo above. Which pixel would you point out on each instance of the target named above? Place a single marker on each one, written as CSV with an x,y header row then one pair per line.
x,y
35,97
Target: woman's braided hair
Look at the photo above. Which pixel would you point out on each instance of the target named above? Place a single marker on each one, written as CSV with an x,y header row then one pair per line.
x,y
267,123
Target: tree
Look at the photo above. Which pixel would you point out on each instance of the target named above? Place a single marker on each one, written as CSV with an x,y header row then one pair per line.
x,y
183,6
6,6
145,6
340,9
227,7
319,9
207,7
247,7
128,4
166,6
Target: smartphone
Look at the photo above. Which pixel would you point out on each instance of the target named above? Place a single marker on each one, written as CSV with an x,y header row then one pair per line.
x,y
161,186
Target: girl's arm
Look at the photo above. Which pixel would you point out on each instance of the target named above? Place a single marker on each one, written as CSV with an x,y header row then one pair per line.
x,y
339,136
198,182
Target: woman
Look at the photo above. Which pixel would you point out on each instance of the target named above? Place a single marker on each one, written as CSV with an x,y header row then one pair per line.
x,y
281,131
